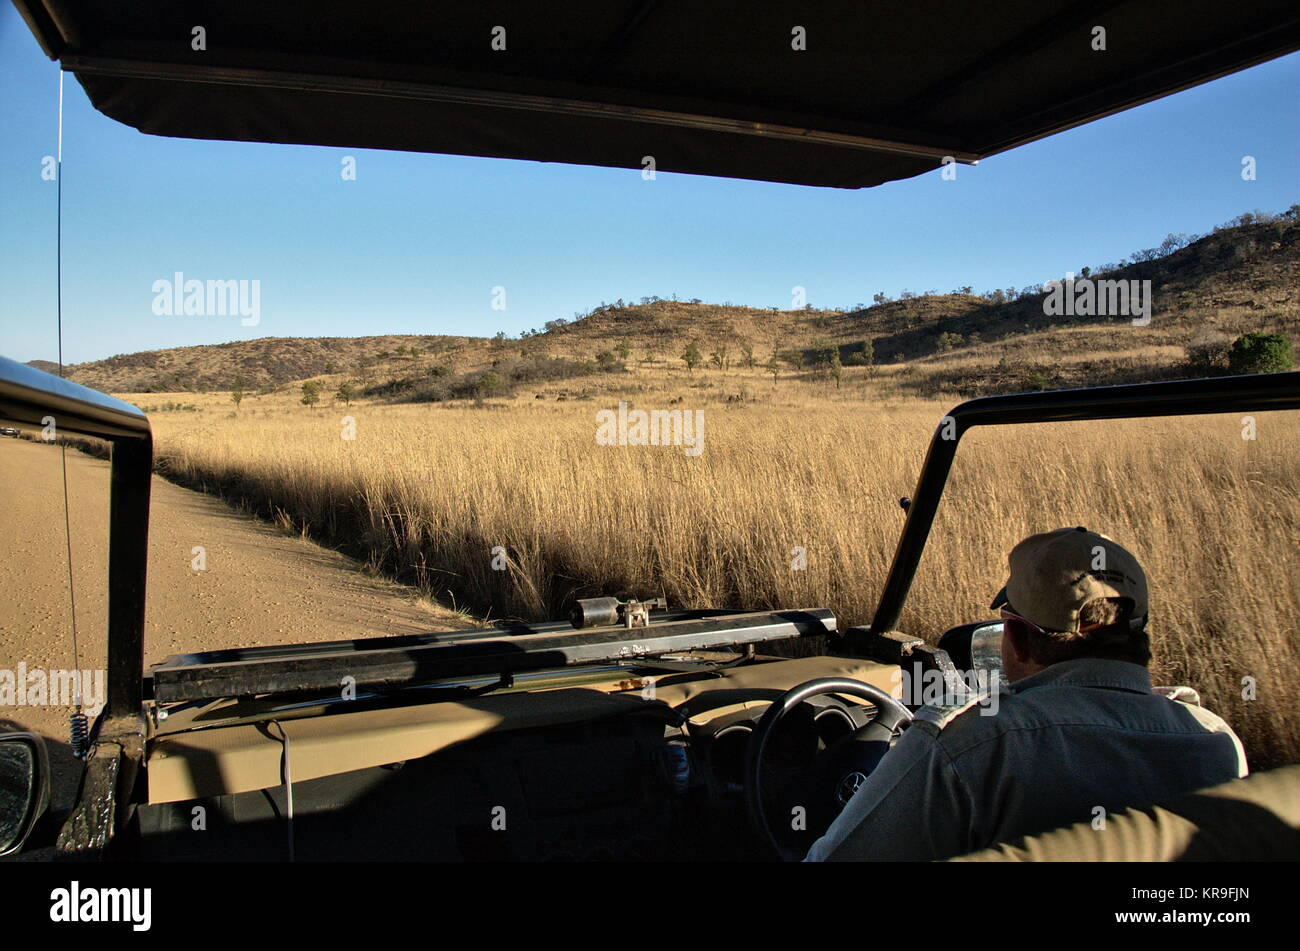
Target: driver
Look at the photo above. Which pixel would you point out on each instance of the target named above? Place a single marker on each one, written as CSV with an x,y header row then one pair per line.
x,y
1079,734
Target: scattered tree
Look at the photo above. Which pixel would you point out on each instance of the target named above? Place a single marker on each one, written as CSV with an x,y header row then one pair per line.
x,y
691,356
346,392
310,393
237,394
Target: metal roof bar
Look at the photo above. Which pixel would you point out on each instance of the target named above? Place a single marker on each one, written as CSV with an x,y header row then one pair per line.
x,y
1233,394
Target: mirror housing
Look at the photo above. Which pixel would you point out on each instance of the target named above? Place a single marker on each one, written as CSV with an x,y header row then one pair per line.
x,y
24,788
975,647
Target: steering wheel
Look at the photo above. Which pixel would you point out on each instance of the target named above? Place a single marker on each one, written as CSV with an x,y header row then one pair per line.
x,y
838,770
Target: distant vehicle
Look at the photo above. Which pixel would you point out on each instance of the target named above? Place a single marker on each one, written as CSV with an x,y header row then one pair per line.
x,y
10,431
631,730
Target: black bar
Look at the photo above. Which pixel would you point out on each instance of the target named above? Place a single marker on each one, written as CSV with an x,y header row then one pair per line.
x,y
316,648
508,653
128,561
1233,394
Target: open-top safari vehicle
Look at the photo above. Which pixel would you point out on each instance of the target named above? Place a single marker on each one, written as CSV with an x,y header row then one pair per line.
x,y
628,731
617,734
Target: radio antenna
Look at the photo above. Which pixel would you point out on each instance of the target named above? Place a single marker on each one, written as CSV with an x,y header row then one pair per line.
x,y
78,726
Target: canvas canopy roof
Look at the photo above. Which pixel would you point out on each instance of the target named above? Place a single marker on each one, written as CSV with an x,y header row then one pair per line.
x,y
882,91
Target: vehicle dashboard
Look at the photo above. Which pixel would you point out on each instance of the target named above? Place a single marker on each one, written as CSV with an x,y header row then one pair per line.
x,y
648,767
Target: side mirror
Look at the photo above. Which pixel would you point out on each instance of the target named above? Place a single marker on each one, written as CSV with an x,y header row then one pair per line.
x,y
975,647
24,787
986,650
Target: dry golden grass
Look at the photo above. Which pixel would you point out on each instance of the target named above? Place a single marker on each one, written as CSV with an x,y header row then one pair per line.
x,y
426,492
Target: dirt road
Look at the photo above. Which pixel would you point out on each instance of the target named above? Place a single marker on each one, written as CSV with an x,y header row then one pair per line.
x,y
217,579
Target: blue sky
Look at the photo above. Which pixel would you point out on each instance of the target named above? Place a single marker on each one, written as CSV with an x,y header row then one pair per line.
x,y
417,243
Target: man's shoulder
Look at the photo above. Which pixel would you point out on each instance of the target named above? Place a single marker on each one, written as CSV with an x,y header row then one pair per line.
x,y
1082,696
977,723
1042,702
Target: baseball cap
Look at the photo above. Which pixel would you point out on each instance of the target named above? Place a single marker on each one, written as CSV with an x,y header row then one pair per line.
x,y
1054,574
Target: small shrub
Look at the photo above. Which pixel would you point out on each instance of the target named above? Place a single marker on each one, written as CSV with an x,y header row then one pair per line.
x,y
947,341
1261,353
823,353
1208,355
489,384
607,362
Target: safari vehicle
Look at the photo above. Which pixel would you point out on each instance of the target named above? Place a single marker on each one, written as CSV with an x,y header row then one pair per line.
x,y
631,730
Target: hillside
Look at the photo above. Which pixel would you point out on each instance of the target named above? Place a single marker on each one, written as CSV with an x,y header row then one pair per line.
x,y
264,364
1239,278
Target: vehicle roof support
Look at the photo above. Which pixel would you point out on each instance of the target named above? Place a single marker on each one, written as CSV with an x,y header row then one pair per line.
x,y
1235,394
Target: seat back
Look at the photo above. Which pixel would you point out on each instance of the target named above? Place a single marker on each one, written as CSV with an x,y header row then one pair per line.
x,y
1251,819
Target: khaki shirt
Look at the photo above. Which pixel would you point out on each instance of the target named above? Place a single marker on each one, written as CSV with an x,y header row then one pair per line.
x,y
1071,743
